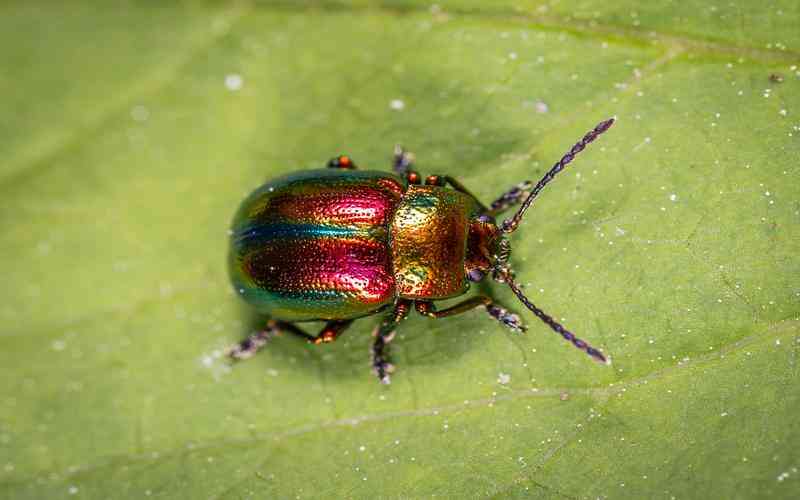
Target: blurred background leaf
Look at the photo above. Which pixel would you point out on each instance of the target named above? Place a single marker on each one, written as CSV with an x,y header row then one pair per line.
x,y
130,132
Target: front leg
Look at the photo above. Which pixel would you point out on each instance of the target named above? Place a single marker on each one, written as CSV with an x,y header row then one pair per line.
x,y
384,334
514,196
441,180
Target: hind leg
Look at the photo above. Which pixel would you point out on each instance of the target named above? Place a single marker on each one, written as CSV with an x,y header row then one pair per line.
x,y
329,332
251,345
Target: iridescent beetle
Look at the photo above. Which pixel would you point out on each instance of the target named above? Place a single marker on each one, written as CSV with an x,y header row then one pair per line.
x,y
338,244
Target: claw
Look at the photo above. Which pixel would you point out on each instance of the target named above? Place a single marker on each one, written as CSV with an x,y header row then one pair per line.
x,y
237,354
249,346
382,369
511,320
514,323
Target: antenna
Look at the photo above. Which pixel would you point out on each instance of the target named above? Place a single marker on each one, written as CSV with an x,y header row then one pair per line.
x,y
510,225
555,325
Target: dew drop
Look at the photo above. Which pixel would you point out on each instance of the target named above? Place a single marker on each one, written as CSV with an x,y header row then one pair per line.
x,y
234,82
140,113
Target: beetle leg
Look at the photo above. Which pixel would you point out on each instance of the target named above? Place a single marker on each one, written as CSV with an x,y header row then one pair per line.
x,y
342,161
460,187
434,180
441,180
403,165
330,331
384,333
249,346
513,197
501,314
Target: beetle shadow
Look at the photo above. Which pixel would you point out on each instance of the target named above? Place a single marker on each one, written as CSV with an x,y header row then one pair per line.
x,y
347,357
444,341
419,341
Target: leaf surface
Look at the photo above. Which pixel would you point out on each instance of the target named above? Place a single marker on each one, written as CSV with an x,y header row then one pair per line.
x,y
130,135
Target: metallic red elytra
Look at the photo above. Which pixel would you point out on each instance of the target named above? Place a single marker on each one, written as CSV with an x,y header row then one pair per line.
x,y
340,243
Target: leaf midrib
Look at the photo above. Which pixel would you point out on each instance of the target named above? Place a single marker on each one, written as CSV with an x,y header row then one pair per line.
x,y
571,25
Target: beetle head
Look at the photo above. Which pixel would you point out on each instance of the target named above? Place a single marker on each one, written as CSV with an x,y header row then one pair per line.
x,y
482,247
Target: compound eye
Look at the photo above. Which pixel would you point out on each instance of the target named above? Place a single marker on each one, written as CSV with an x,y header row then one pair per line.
x,y
485,219
475,275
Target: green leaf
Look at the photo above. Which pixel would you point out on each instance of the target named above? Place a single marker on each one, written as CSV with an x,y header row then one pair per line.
x,y
671,243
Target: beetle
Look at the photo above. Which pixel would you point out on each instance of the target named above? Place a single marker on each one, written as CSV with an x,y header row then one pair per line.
x,y
340,243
